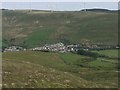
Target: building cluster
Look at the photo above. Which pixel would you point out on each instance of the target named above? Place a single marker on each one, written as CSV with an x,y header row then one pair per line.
x,y
59,47
97,47
14,48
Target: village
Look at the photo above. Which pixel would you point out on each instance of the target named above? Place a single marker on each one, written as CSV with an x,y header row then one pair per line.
x,y
59,47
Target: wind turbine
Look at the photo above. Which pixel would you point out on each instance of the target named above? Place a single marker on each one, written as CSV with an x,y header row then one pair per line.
x,y
52,8
84,5
30,6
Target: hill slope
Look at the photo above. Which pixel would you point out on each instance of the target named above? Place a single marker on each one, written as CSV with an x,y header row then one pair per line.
x,y
58,70
35,75
34,28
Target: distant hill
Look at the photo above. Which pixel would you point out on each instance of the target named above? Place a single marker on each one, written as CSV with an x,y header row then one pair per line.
x,y
100,10
3,9
37,27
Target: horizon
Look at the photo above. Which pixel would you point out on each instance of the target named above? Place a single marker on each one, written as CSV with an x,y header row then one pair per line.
x,y
59,10
59,6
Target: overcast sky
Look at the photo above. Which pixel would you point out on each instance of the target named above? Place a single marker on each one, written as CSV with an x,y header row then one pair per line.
x,y
59,0
62,6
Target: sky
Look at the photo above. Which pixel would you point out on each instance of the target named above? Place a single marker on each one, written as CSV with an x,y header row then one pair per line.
x,y
59,0
59,6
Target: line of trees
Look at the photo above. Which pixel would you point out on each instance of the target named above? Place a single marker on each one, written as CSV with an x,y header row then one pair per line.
x,y
88,53
93,54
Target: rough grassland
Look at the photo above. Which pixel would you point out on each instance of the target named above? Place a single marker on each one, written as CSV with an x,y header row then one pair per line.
x,y
75,70
24,74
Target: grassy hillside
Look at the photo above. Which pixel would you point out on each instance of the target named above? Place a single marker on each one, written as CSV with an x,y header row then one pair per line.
x,y
36,76
79,71
34,28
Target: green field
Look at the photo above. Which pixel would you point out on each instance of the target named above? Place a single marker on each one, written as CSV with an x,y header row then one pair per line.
x,y
110,53
34,28
85,70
